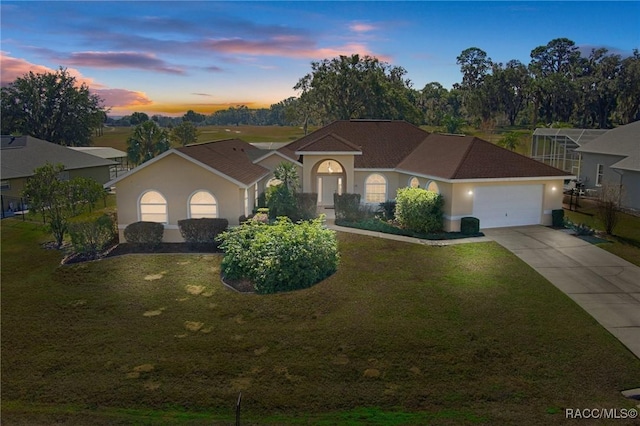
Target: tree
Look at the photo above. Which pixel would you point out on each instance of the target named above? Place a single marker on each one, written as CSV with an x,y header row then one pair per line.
x,y
58,199
281,198
452,123
628,104
193,117
138,118
147,141
512,87
608,203
349,87
184,133
510,141
51,106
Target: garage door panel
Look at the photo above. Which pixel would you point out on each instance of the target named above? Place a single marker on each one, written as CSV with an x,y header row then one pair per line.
x,y
499,206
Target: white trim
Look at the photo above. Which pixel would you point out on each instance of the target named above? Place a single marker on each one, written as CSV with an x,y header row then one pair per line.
x,y
188,158
547,211
328,152
378,170
275,152
215,199
478,180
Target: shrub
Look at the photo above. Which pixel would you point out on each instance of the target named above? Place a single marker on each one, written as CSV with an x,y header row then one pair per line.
x,y
469,225
146,234
279,257
201,232
281,201
557,218
307,205
91,237
419,209
348,208
387,210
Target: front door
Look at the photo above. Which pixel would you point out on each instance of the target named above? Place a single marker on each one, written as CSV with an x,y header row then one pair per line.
x,y
327,186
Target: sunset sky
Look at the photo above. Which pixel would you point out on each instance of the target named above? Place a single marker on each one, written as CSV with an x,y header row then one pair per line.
x,y
166,57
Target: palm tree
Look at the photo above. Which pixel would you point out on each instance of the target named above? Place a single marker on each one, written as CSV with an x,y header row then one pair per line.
x,y
147,141
287,174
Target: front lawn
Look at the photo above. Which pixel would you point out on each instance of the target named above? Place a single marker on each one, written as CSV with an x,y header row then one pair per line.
x,y
401,334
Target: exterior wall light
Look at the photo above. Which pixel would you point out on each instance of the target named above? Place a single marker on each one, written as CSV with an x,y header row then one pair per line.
x,y
470,192
553,188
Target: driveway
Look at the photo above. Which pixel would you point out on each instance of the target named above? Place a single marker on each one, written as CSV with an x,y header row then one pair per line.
x,y
604,285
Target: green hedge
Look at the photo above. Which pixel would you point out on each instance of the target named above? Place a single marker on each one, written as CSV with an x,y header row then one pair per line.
x,y
419,210
202,231
307,203
348,208
279,257
146,234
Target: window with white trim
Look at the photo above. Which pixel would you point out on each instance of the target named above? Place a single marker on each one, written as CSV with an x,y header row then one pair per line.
x,y
375,189
203,204
414,182
599,174
153,207
432,186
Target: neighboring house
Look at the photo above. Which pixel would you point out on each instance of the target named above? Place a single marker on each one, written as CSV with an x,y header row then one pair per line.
x,y
371,157
614,158
108,153
21,155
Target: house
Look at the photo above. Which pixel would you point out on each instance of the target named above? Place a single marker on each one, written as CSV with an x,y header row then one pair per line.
x,y
21,155
371,157
108,153
614,158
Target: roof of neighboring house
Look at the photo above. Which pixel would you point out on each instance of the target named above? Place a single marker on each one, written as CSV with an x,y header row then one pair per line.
x,y
405,147
101,151
21,155
580,137
622,141
229,158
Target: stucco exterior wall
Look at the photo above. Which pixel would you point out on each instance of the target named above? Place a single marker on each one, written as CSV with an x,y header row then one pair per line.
x,y
271,163
176,187
310,163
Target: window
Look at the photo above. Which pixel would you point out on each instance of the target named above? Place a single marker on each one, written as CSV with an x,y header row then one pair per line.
x,y
5,185
375,189
153,207
329,167
432,186
414,182
203,204
599,174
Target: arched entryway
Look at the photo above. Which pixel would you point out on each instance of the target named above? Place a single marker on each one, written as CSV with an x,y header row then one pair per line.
x,y
329,178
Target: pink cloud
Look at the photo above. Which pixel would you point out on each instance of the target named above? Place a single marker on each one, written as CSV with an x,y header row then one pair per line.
x,y
13,68
118,98
111,60
287,46
360,27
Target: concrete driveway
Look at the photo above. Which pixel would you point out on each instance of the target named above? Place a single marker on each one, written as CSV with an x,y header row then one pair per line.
x,y
604,285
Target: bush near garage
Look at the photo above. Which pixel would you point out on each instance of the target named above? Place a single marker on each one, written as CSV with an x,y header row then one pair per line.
x,y
147,235
419,210
279,257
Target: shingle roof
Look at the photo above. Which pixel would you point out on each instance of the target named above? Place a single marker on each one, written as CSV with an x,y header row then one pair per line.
x,y
21,155
329,143
384,144
101,151
403,146
622,141
232,157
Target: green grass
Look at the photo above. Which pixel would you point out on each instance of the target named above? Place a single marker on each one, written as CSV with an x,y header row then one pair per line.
x,y
625,242
463,334
116,137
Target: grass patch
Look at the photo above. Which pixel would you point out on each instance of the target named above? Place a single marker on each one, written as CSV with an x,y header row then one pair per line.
x,y
457,334
626,238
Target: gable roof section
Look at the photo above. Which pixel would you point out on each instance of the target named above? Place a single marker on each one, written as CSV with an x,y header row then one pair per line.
x,y
101,151
384,143
622,141
21,155
228,158
467,157
330,143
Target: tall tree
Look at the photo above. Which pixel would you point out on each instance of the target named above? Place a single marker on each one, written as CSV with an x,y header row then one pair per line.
x,y
138,118
193,117
51,106
147,141
184,133
512,86
358,87
628,102
477,87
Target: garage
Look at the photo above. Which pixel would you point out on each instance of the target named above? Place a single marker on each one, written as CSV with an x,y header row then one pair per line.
x,y
508,205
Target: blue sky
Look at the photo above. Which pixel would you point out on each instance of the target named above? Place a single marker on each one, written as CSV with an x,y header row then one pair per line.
x,y
165,57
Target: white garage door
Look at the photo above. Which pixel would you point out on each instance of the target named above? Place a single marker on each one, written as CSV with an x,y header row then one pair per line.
x,y
498,206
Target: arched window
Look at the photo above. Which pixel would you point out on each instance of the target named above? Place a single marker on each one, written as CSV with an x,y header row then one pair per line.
x,y
203,204
414,182
432,186
153,207
329,166
375,189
